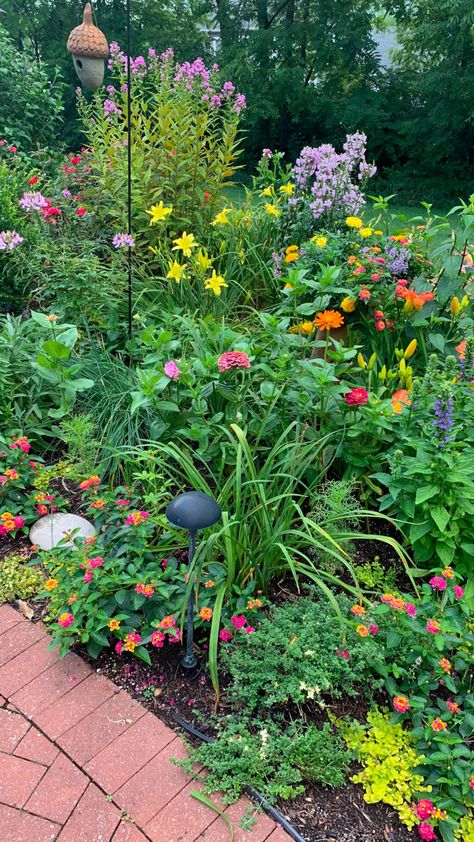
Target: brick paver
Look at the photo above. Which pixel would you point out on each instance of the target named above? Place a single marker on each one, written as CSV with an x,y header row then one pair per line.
x,y
81,761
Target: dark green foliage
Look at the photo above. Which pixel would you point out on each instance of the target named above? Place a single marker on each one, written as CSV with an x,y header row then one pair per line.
x,y
273,759
293,656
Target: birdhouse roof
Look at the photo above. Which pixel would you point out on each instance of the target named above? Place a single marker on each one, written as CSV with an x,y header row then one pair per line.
x,y
86,39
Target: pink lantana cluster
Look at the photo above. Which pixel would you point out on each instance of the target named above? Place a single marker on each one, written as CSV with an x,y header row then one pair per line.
x,y
239,623
135,518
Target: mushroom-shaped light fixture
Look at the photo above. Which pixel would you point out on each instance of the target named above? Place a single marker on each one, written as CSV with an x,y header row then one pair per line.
x,y
89,47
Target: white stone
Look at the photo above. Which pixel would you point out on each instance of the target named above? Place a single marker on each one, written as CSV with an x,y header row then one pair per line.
x,y
48,531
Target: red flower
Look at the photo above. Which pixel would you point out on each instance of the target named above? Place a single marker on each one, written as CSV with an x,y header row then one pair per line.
x,y
207,196
76,159
34,180
356,397
12,149
68,169
81,212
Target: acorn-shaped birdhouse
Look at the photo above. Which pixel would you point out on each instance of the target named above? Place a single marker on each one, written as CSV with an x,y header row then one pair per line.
x,y
88,47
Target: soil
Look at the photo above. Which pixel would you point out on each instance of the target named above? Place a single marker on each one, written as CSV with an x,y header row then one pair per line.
x,y
320,814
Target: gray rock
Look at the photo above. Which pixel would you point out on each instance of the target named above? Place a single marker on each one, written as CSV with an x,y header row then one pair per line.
x,y
48,531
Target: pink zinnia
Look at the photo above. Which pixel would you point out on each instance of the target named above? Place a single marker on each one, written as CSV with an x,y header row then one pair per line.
x,y
249,630
225,635
18,521
65,620
426,832
380,325
119,647
238,621
171,370
233,359
344,654
375,276
410,609
458,591
438,583
364,295
356,397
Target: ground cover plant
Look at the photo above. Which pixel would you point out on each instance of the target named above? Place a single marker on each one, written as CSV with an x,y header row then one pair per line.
x,y
304,355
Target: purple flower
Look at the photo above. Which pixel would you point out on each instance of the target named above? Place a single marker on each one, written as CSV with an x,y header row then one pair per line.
x,y
228,89
171,370
240,103
215,101
9,240
123,241
443,423
66,193
110,107
397,261
33,201
124,88
110,90
267,153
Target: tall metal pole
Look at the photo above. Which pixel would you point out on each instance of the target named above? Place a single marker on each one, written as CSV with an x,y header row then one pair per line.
x,y
189,660
129,161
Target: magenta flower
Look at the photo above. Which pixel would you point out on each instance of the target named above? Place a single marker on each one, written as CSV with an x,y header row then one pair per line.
x,y
225,635
171,370
249,630
410,609
438,583
458,591
119,647
238,621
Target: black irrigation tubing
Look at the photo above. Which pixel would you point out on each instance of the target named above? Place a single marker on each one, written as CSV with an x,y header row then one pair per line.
x,y
253,793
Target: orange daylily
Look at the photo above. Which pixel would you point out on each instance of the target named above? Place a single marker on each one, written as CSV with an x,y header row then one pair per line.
x,y
400,398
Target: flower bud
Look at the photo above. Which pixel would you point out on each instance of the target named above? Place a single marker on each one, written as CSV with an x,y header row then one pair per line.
x,y
372,362
360,361
403,365
455,306
410,349
383,373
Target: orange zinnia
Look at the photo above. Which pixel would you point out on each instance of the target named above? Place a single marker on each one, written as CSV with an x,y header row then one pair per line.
x,y
329,319
399,398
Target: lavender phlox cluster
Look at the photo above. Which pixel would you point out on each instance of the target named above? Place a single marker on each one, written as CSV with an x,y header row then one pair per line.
x,y
123,241
398,260
277,264
33,201
110,107
9,240
443,423
331,173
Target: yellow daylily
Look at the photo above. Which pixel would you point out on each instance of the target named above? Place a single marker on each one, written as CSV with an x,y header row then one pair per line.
x,y
268,191
159,212
185,243
222,217
287,189
320,242
215,283
203,261
176,270
272,210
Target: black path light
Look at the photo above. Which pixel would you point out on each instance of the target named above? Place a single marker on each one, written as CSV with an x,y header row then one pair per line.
x,y
88,47
193,511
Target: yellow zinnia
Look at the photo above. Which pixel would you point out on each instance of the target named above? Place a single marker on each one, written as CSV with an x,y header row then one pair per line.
x,y
185,243
366,232
158,213
349,304
354,222
307,328
292,253
320,242
215,283
176,270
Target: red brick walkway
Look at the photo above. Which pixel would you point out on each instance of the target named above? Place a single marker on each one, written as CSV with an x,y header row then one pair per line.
x,y
81,761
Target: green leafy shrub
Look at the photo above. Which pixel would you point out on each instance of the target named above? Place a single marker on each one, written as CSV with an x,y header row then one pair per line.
x,y
17,579
270,757
300,654
79,434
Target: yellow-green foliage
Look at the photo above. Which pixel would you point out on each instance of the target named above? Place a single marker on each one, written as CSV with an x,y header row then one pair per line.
x,y
465,831
46,473
18,580
388,758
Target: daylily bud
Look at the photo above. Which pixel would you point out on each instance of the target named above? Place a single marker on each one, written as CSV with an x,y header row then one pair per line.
x,y
409,383
403,365
383,373
360,361
455,306
398,353
372,362
410,349
464,302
